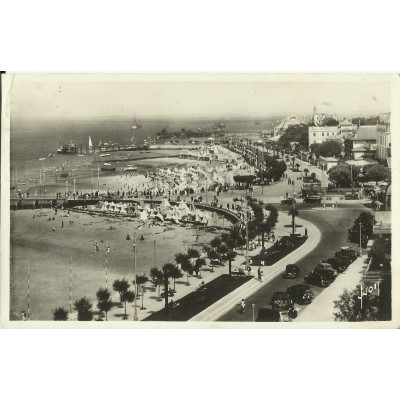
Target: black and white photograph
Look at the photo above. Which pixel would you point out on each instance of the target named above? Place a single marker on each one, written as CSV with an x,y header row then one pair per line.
x,y
257,200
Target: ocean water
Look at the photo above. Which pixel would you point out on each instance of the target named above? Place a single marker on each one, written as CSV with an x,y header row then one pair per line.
x,y
34,139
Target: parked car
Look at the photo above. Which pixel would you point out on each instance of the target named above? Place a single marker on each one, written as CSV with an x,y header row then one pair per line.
x,y
281,300
312,200
288,201
324,266
292,271
320,278
276,315
348,251
337,263
300,294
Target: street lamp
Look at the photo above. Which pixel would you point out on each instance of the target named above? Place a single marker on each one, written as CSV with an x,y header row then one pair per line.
x,y
66,189
253,306
128,237
74,186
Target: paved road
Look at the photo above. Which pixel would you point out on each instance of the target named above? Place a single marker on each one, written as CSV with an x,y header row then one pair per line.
x,y
333,225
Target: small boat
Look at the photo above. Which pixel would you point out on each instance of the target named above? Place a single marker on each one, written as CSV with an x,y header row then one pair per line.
x,y
41,159
122,156
106,163
130,169
105,155
81,155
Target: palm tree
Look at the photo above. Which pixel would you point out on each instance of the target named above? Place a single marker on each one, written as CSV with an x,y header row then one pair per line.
x,y
60,314
294,213
167,272
313,175
176,274
297,166
121,286
306,171
141,280
127,297
154,273
104,303
265,227
186,265
84,308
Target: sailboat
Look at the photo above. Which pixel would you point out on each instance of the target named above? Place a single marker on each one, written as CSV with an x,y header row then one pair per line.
x,y
136,125
90,145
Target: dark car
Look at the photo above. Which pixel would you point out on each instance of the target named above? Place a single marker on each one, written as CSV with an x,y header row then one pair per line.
x,y
292,271
324,266
337,263
312,200
288,201
320,278
300,294
276,315
348,251
281,300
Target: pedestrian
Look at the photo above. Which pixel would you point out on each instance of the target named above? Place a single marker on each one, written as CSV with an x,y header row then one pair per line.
x,y
336,203
287,194
62,224
242,305
305,232
260,274
96,247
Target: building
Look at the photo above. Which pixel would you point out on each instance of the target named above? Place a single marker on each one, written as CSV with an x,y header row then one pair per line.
x,y
320,119
383,140
319,134
347,128
328,162
363,144
284,124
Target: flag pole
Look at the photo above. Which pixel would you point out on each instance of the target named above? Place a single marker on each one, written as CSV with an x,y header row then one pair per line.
x,y
70,285
29,295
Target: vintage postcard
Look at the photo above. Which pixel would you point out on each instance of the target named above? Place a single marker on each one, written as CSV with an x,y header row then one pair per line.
x,y
199,200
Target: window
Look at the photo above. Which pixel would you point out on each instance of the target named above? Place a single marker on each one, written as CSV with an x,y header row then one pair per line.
x,y
314,135
323,133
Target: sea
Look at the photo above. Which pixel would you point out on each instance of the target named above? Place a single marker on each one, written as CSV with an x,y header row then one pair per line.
x,y
33,139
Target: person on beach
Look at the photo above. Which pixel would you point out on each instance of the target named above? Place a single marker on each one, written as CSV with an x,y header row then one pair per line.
x,y
242,305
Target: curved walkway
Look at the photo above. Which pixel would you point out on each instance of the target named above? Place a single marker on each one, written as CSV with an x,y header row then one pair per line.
x,y
222,306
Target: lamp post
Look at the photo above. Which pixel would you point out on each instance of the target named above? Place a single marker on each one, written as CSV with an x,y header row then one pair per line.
x,y
253,306
360,238
154,254
135,315
66,189
74,186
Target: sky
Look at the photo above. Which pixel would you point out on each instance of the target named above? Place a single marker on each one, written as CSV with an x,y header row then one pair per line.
x,y
212,95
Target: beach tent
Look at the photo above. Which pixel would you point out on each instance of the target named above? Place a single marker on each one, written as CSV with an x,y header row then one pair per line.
x,y
143,215
165,203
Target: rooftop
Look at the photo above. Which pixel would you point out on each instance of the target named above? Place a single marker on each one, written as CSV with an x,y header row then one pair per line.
x,y
366,132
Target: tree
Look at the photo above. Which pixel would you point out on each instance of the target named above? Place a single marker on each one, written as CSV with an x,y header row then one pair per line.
x,y
340,174
60,314
184,261
306,171
176,273
376,172
329,121
167,273
349,307
84,308
121,286
127,297
330,148
140,281
297,166
294,133
265,228
315,148
104,303
155,274
293,212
